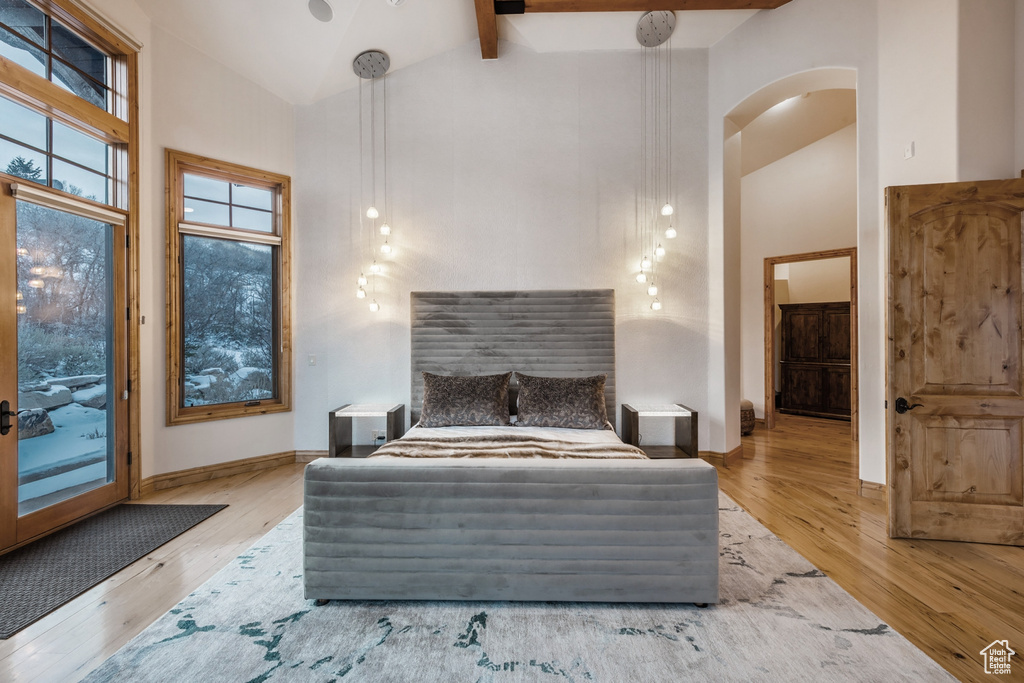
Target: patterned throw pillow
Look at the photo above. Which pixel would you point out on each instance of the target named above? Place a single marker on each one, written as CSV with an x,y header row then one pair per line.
x,y
574,402
454,401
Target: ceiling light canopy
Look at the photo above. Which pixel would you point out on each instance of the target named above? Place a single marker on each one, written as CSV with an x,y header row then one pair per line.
x,y
321,9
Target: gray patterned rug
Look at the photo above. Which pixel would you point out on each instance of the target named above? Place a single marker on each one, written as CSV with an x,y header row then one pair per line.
x,y
41,576
779,619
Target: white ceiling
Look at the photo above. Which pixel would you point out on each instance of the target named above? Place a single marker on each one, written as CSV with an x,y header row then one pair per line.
x,y
795,123
280,46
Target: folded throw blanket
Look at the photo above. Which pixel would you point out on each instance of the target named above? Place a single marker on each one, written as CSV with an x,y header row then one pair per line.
x,y
526,446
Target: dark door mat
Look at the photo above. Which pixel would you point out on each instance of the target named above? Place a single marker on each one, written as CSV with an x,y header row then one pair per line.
x,y
41,576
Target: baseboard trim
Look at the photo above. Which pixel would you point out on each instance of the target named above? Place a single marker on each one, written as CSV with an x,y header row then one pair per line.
x,y
309,456
726,459
872,490
194,475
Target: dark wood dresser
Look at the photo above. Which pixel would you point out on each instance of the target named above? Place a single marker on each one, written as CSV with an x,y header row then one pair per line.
x,y
815,359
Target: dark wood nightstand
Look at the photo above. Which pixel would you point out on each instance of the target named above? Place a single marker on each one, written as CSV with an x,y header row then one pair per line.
x,y
686,429
340,424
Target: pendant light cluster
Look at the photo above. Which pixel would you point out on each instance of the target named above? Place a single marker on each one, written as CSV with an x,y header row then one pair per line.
x,y
374,210
655,214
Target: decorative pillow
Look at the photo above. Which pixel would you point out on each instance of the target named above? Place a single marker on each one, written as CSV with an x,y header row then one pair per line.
x,y
452,401
574,402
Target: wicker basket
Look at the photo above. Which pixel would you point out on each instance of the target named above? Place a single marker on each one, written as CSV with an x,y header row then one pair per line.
x,y
746,417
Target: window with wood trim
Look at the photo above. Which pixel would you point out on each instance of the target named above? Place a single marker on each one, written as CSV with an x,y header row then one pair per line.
x,y
228,339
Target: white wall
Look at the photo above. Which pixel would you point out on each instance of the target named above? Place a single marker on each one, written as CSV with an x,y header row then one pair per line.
x,y
810,282
189,102
917,65
197,105
510,174
804,202
985,116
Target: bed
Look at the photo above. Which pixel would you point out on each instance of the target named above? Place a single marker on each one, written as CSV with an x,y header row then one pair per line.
x,y
497,512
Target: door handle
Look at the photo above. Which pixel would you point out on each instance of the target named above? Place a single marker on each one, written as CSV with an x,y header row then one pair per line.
x,y
903,406
5,417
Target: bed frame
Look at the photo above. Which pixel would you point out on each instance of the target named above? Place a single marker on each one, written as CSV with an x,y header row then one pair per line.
x,y
497,529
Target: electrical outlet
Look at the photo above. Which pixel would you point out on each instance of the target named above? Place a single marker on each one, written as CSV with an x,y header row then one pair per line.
x,y
378,435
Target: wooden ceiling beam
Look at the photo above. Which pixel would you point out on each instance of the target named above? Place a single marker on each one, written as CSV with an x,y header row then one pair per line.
x,y
487,26
645,5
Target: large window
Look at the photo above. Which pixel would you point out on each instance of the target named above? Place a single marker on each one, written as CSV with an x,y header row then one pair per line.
x,y
227,263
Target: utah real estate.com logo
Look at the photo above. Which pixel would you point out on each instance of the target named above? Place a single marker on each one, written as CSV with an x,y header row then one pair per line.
x,y
997,657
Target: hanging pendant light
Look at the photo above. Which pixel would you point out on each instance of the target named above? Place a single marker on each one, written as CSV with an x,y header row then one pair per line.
x,y
372,66
655,189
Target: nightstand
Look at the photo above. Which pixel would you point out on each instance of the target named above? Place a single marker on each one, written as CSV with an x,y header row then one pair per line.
x,y
686,428
340,423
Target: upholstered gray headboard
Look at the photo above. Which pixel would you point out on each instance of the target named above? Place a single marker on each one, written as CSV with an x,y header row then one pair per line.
x,y
549,333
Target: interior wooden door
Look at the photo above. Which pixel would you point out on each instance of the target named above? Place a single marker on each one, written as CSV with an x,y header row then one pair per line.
x,y
955,403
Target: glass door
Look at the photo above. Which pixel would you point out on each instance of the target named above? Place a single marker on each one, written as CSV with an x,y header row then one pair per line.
x,y
63,374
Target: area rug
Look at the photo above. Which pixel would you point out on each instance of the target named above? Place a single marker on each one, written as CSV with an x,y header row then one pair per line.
x,y
41,576
779,619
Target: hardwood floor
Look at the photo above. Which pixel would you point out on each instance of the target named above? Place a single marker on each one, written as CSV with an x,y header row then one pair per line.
x,y
71,641
800,480
950,599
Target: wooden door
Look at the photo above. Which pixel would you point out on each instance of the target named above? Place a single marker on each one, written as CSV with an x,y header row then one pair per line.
x,y
955,402
63,371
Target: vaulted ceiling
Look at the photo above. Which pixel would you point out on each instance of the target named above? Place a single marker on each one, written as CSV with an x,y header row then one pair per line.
x,y
280,46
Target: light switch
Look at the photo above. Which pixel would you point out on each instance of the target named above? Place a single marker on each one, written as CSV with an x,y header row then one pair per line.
x,y
908,151
312,359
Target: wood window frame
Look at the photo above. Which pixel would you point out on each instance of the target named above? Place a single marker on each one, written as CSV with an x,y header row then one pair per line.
x,y
118,127
177,165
